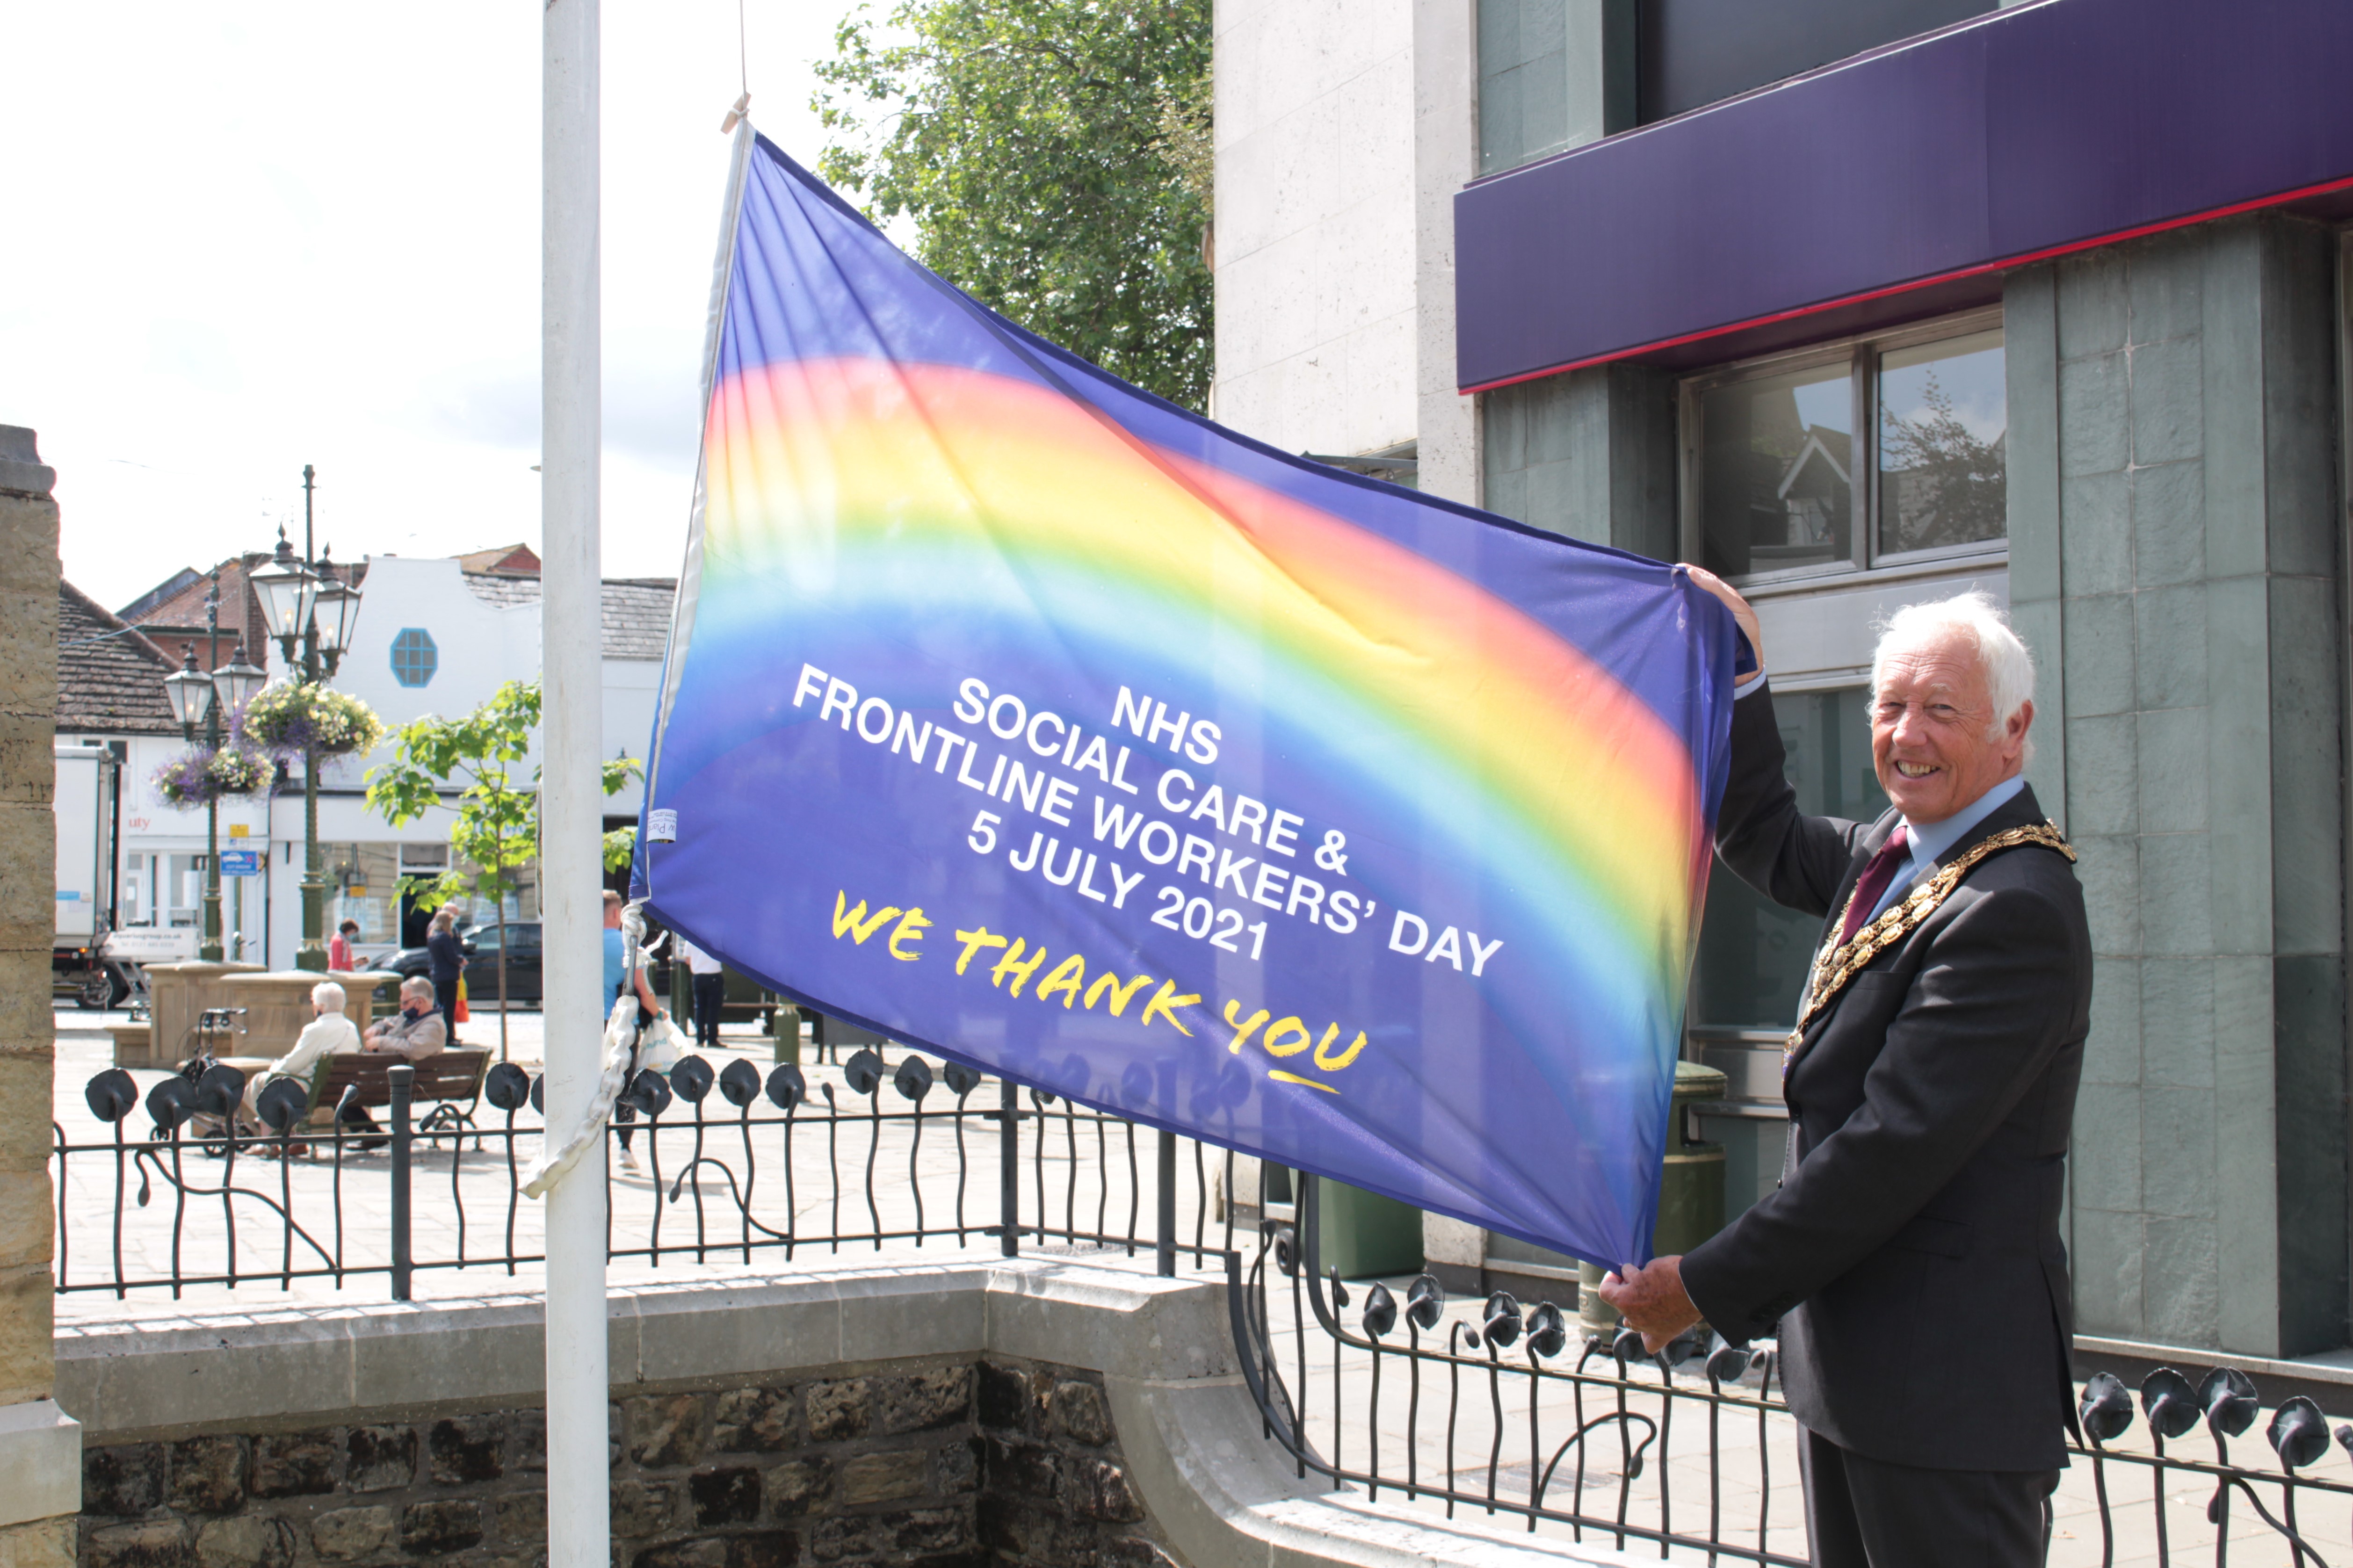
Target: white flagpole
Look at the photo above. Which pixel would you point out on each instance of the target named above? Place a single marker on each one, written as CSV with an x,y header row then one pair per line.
x,y
571,801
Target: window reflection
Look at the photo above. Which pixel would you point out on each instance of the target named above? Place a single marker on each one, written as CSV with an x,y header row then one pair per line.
x,y
1753,952
1777,472
1943,426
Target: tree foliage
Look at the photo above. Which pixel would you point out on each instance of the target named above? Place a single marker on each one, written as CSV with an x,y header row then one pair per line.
x,y
1053,156
495,834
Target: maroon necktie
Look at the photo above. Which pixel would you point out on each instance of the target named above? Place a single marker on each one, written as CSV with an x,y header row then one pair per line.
x,y
1875,878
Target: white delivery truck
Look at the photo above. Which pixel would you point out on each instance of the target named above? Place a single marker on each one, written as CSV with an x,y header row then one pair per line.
x,y
90,820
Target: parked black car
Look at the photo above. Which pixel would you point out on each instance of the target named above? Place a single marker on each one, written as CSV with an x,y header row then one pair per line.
x,y
481,945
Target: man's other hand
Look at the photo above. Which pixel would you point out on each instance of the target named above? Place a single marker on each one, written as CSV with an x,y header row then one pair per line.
x,y
1652,1300
1732,601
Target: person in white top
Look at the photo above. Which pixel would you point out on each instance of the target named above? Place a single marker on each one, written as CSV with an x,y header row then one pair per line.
x,y
710,991
328,1032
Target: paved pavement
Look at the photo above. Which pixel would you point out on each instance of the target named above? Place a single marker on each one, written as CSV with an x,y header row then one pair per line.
x,y
1090,1176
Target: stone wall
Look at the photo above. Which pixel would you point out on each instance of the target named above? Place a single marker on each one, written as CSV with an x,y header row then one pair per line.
x,y
1001,1461
36,1500
2174,528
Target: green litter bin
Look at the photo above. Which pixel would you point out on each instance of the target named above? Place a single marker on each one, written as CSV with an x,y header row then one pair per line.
x,y
1364,1234
1691,1195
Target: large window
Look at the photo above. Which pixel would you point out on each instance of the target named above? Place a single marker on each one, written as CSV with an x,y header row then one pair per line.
x,y
1753,952
1697,52
364,885
1780,485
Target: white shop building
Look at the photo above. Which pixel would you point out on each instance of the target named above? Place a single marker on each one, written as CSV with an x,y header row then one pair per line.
x,y
434,636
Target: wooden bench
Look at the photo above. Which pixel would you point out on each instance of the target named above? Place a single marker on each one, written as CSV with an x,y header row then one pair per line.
x,y
444,1079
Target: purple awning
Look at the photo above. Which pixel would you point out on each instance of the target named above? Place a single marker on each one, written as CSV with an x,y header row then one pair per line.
x,y
1896,182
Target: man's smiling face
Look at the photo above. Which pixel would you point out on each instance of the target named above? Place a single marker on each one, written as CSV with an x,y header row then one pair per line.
x,y
1934,741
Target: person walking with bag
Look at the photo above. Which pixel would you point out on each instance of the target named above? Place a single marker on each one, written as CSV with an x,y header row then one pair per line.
x,y
445,962
618,977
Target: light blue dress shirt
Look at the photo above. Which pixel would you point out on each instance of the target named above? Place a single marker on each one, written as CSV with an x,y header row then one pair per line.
x,y
1929,843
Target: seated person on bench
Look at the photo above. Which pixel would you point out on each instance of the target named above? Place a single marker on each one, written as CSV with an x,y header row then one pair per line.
x,y
418,1033
328,1032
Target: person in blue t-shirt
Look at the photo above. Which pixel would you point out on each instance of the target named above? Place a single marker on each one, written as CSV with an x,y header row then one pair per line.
x,y
615,965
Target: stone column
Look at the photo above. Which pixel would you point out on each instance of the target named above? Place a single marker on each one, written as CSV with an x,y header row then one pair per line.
x,y
40,1448
2174,553
1445,159
1589,455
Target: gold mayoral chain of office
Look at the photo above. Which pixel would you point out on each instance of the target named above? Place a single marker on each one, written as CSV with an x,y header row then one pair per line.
x,y
1836,965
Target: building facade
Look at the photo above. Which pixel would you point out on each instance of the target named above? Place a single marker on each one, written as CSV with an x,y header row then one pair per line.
x,y
435,635
1862,304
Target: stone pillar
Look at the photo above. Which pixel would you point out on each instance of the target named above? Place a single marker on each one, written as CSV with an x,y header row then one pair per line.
x,y
1445,159
40,1448
2175,558
1589,455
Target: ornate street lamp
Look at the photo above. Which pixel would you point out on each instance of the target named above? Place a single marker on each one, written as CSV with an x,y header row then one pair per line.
x,y
306,606
201,699
238,680
191,690
335,609
287,588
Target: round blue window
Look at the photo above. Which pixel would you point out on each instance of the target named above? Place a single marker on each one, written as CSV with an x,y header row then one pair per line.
x,y
413,657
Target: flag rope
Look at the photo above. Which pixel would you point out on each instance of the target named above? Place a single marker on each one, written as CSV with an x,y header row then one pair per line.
x,y
620,1048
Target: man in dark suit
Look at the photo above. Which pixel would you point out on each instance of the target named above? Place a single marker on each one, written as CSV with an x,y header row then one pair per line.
x,y
1910,1255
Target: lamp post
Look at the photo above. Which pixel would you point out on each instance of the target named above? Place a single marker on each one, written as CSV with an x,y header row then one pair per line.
x,y
198,697
308,608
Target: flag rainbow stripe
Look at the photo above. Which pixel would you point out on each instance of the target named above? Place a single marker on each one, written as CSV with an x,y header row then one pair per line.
x,y
865,481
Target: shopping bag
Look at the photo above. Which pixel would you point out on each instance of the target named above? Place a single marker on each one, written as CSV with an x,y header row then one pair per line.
x,y
461,1015
661,1047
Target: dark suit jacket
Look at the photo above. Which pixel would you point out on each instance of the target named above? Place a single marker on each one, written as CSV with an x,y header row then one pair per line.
x,y
1912,1251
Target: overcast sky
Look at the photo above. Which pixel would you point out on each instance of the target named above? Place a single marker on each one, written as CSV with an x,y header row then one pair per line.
x,y
242,238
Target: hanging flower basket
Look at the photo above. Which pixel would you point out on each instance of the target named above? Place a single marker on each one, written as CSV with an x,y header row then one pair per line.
x,y
198,777
290,719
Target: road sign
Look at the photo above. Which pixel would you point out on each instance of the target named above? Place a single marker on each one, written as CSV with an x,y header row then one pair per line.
x,y
240,863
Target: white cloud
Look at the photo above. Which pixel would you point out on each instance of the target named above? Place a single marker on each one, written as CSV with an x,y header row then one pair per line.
x,y
311,234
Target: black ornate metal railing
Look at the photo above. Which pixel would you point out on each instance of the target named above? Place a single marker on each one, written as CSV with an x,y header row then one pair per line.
x,y
1510,1414
1513,1415
729,1162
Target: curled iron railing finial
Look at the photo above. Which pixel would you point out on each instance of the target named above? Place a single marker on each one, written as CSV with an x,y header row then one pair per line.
x,y
111,1095
2107,1411
2228,1397
1424,1301
1547,1330
2298,1433
2169,1403
1501,1321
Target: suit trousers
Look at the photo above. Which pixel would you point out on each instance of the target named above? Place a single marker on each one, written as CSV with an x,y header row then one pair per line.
x,y
1863,1512
710,1000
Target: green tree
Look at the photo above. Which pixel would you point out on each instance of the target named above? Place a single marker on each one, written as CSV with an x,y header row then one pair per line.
x,y
1053,156
495,831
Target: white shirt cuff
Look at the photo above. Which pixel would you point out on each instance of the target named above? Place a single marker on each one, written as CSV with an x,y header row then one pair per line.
x,y
1749,686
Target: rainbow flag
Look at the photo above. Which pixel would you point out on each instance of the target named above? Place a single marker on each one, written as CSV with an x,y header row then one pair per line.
x,y
1035,721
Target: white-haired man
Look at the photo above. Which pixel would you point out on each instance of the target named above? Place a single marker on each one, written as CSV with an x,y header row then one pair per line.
x,y
328,1032
1910,1255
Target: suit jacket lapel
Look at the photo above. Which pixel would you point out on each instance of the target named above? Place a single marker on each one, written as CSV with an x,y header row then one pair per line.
x,y
2016,812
